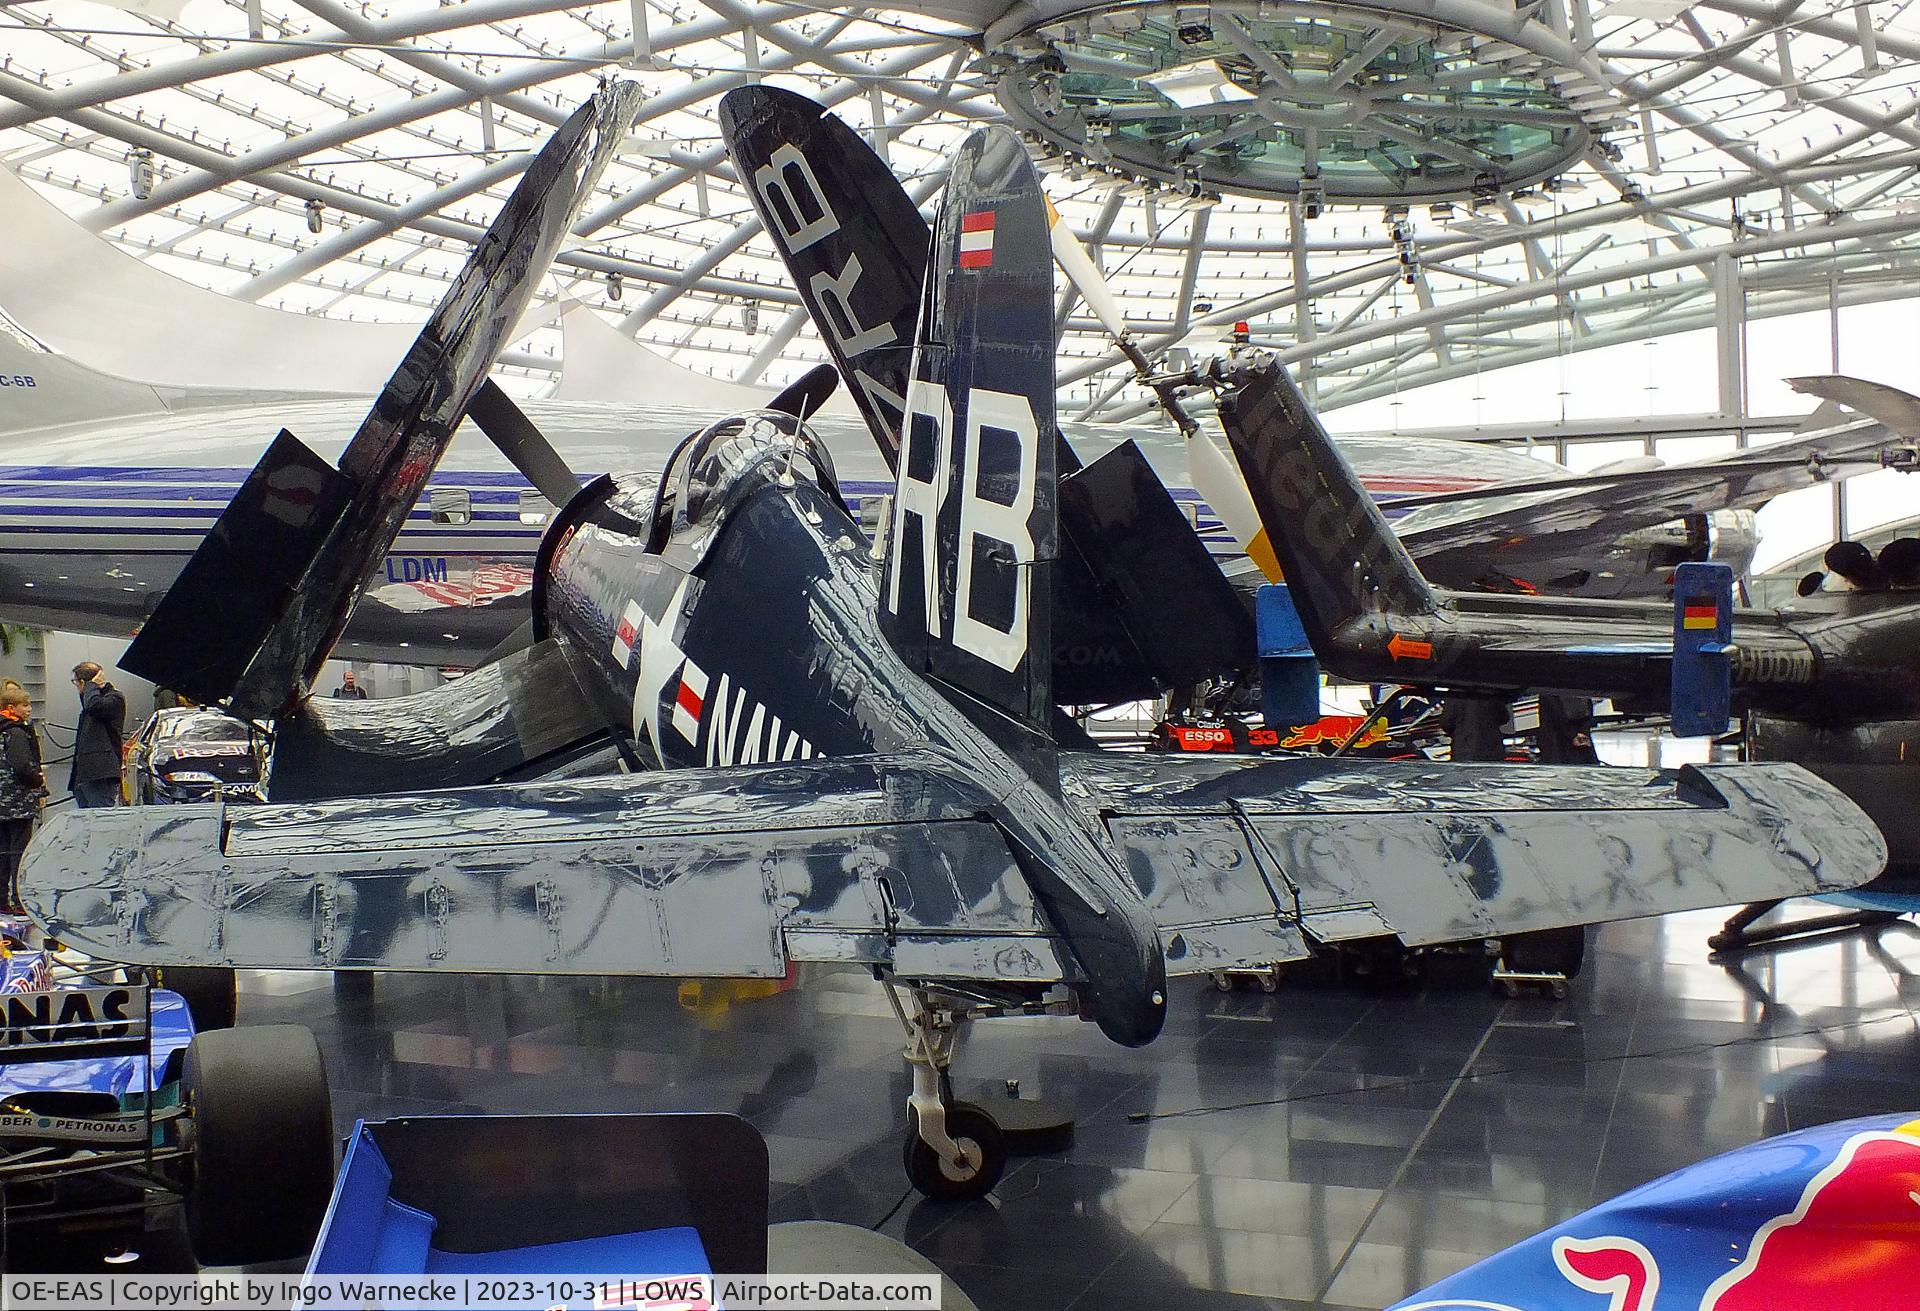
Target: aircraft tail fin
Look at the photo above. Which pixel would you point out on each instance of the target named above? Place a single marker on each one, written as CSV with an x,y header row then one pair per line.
x,y
1337,553
40,388
231,629
971,555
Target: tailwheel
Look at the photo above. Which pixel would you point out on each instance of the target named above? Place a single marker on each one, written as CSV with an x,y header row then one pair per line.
x,y
979,1160
954,1150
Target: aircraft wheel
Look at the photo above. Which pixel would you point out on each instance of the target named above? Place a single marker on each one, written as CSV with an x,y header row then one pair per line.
x,y
261,1125
212,994
980,1142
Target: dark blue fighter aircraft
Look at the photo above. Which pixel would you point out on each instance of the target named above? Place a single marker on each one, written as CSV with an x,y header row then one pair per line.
x,y
860,760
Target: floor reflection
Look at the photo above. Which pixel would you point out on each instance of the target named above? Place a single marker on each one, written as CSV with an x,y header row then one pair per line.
x,y
1332,1144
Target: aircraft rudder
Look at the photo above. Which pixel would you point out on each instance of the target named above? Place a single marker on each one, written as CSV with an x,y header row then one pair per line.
x,y
967,593
1335,548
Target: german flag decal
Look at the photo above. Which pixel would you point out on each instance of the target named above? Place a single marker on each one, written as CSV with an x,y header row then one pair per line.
x,y
1700,612
976,240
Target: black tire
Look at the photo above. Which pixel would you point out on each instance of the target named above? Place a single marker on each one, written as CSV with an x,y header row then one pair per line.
x,y
261,1122
978,1135
212,994
1548,951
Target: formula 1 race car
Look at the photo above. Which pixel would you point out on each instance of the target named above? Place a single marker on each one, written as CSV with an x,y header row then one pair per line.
x,y
121,1092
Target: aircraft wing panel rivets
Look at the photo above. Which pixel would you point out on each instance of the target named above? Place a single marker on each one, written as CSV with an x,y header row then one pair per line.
x,y
326,921
546,901
439,908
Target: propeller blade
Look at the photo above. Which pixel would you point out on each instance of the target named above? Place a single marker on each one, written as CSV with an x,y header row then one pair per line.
x,y
1225,492
525,446
1213,475
804,396
1084,274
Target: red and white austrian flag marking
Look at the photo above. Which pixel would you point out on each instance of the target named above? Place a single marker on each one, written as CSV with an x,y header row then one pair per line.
x,y
689,701
626,633
976,240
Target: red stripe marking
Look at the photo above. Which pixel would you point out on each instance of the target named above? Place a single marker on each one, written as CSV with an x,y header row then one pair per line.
x,y
625,633
1703,612
981,220
976,259
689,701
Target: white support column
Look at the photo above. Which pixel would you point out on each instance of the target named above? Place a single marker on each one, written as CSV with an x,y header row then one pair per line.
x,y
1730,336
642,35
1869,38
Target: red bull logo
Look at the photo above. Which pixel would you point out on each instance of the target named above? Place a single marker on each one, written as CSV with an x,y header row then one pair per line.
x,y
1849,1246
1851,1243
1331,731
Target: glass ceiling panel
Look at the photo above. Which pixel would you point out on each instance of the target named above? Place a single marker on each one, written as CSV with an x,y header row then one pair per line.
x,y
1775,140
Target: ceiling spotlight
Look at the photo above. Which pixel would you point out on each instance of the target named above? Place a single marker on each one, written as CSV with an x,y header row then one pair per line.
x,y
1440,211
1096,146
613,286
140,172
750,317
315,212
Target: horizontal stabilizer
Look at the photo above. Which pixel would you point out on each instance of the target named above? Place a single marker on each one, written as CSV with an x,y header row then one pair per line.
x,y
722,873
520,713
1450,853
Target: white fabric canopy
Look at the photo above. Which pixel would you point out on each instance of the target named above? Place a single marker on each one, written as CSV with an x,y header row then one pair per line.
x,y
94,302
599,363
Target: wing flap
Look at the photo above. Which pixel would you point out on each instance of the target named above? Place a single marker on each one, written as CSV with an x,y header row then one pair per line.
x,y
714,873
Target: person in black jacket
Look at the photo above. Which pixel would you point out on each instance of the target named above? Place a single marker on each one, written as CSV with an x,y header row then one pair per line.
x,y
95,780
23,787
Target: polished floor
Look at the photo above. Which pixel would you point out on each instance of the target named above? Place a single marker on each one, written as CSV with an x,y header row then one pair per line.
x,y
1334,1144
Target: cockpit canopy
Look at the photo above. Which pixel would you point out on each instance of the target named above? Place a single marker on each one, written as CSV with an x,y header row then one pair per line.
x,y
713,467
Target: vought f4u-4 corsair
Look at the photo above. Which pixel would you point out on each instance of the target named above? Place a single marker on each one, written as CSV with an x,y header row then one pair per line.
x,y
860,760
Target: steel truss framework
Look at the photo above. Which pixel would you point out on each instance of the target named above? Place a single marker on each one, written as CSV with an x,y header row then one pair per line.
x,y
1769,164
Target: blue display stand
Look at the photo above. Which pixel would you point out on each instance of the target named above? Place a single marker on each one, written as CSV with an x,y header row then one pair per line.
x,y
1289,674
